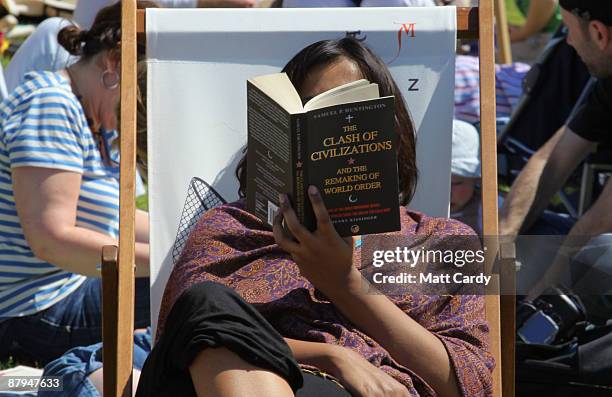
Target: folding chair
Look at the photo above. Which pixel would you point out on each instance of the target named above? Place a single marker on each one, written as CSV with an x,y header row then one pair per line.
x,y
118,273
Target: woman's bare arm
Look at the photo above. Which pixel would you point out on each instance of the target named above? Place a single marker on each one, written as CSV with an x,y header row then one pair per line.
x,y
46,201
543,176
326,260
538,15
407,341
142,227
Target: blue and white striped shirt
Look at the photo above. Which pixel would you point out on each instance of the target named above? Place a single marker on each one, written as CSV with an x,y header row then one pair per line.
x,y
42,124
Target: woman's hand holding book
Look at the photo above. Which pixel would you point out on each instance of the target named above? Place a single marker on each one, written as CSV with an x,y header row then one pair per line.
x,y
324,258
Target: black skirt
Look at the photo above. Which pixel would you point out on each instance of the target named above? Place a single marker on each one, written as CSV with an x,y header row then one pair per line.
x,y
212,315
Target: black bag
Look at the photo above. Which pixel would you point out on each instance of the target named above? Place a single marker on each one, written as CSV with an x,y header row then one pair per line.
x,y
577,362
581,367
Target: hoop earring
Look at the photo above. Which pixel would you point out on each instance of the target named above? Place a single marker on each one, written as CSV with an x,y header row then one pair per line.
x,y
106,84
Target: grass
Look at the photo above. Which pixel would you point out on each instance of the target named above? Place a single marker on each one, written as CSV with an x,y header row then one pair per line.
x,y
142,202
10,363
13,362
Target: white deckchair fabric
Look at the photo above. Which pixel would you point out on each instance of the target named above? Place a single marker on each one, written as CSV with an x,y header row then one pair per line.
x,y
3,91
199,61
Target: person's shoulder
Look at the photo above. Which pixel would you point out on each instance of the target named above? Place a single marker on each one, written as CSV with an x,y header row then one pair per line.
x,y
439,226
225,210
46,88
605,86
601,93
606,82
228,219
46,81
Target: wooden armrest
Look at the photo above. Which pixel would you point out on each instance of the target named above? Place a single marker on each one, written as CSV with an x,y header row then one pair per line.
x,y
110,274
117,350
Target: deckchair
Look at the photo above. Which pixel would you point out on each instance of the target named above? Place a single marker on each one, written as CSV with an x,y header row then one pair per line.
x,y
118,273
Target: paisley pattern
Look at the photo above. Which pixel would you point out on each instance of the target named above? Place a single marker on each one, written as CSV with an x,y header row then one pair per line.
x,y
232,247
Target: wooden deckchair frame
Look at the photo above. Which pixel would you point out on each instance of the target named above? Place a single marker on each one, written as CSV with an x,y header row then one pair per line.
x,y
118,263
503,34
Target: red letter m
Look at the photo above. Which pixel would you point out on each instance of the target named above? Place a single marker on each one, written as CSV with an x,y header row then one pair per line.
x,y
405,28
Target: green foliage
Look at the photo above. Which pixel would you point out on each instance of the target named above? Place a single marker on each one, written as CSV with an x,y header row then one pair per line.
x,y
142,202
10,363
13,362
4,60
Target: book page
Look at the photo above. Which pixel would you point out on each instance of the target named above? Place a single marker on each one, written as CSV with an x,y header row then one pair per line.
x,y
279,88
339,89
352,92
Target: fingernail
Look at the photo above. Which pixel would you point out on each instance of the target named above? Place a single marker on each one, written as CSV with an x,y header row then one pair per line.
x,y
313,190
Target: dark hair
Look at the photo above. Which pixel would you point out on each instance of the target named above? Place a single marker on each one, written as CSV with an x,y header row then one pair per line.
x,y
104,34
141,120
326,52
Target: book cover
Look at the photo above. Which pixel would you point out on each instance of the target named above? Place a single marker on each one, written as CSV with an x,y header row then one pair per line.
x,y
351,157
347,150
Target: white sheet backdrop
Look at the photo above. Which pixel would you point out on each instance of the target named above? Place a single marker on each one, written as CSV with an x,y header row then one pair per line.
x,y
200,59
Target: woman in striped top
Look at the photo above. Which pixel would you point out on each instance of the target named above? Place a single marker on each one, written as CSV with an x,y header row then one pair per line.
x,y
59,198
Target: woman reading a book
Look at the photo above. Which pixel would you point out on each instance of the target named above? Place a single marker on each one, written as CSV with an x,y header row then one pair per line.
x,y
250,311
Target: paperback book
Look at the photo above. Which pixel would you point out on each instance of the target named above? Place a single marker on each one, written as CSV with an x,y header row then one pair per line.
x,y
342,141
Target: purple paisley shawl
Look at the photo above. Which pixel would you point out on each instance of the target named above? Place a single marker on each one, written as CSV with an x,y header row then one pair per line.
x,y
232,247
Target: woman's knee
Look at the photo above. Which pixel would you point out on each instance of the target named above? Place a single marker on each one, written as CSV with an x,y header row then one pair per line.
x,y
229,374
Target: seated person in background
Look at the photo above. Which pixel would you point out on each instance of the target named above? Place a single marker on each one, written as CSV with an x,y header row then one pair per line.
x,y
40,51
465,205
466,202
256,303
532,24
508,85
81,368
59,198
86,10
590,33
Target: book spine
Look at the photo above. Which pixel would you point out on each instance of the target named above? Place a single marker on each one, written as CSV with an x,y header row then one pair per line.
x,y
299,165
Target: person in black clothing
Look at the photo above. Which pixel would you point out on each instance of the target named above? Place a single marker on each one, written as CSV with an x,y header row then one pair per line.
x,y
590,32
589,23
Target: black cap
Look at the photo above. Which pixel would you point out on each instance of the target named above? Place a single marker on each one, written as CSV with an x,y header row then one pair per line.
x,y
592,10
